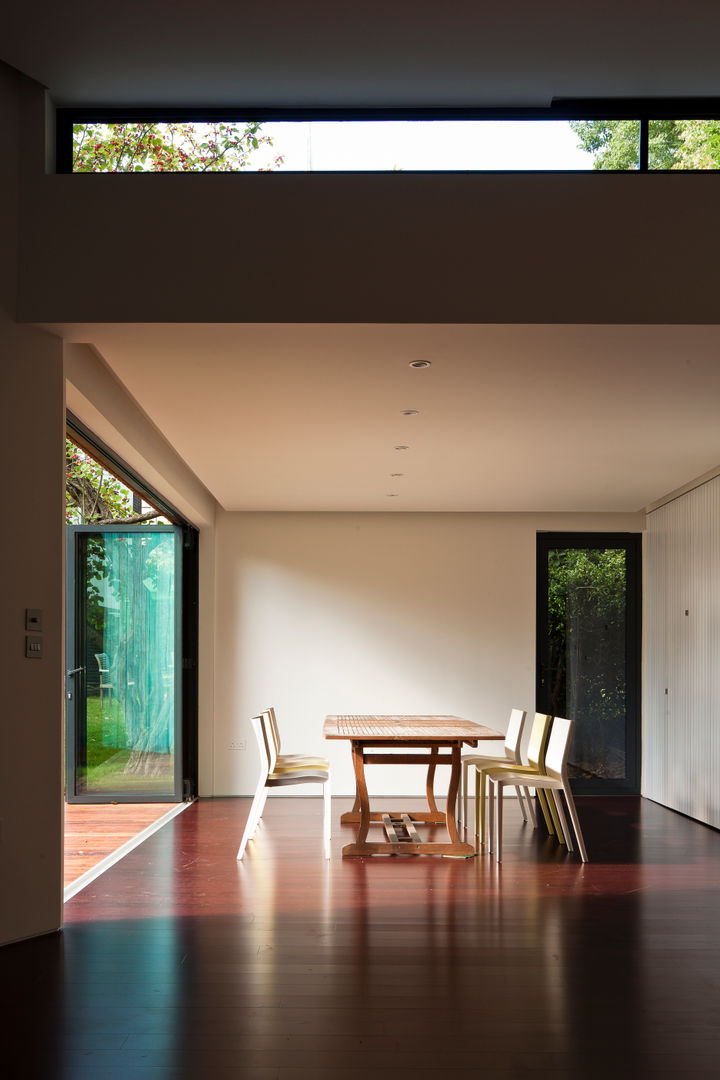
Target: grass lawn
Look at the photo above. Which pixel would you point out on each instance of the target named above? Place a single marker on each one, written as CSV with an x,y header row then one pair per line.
x,y
108,754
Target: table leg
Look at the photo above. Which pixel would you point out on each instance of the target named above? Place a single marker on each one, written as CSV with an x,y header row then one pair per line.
x,y
361,792
413,845
452,795
429,783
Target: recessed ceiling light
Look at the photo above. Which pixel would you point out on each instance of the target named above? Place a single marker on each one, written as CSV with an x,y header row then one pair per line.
x,y
419,363
410,412
402,447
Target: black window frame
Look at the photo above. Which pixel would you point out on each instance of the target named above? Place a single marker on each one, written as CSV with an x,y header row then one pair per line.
x,y
641,109
92,444
632,543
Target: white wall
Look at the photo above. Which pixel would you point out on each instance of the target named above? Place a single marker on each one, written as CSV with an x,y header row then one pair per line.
x,y
31,570
681,756
97,398
355,613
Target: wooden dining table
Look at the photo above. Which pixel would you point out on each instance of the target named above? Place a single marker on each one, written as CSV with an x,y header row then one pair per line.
x,y
397,736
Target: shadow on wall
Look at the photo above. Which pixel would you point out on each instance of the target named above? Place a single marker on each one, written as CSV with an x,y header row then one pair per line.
x,y
372,613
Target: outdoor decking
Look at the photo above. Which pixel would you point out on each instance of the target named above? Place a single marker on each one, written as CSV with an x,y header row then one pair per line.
x,y
94,831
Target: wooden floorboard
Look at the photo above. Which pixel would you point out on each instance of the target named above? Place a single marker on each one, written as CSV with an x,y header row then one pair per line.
x,y
94,831
180,963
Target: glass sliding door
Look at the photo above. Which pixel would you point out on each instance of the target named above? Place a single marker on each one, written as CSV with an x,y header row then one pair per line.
x,y
588,652
123,682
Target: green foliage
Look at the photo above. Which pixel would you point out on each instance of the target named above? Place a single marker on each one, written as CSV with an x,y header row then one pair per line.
x,y
700,144
665,144
586,616
92,495
672,144
595,575
172,147
614,144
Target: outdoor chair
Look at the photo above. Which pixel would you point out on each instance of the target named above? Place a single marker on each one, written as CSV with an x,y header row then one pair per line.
x,y
106,687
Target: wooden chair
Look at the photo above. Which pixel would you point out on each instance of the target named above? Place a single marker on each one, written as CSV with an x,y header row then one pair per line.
x,y
553,779
283,771
511,755
539,734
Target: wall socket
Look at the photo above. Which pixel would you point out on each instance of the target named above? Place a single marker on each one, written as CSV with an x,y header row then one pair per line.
x,y
33,647
238,744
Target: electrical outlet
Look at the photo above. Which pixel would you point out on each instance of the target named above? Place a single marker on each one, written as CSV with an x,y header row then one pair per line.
x,y
33,647
238,744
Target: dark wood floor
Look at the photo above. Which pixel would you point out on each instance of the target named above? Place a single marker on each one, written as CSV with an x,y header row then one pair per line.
x,y
179,963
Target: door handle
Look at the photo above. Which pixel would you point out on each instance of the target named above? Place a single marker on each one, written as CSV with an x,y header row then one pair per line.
x,y
74,671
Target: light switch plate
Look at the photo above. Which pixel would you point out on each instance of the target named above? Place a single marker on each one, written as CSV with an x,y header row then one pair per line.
x,y
34,619
33,647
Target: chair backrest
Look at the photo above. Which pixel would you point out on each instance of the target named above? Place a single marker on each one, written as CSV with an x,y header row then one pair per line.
x,y
270,713
514,733
538,741
266,743
103,661
558,747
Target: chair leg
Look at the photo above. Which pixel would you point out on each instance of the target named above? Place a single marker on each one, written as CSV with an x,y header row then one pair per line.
x,y
520,792
499,793
463,795
326,817
576,824
546,812
481,796
256,810
551,800
526,796
564,835
479,807
490,814
259,812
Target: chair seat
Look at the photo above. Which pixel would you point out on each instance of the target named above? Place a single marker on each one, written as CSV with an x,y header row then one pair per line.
x,y
300,759
300,764
290,774
524,775
284,779
487,759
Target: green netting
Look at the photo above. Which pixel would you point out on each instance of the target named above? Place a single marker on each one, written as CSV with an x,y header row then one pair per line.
x,y
131,622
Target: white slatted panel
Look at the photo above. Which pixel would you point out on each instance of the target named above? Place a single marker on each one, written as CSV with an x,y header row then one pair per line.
x,y
681,729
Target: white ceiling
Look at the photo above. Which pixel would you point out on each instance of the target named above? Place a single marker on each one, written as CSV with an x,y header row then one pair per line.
x,y
375,53
306,417
511,418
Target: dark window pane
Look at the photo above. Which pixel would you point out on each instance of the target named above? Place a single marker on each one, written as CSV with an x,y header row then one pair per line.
x,y
587,628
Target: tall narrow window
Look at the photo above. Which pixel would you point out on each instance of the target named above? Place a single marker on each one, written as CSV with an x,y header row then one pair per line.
x,y
588,654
